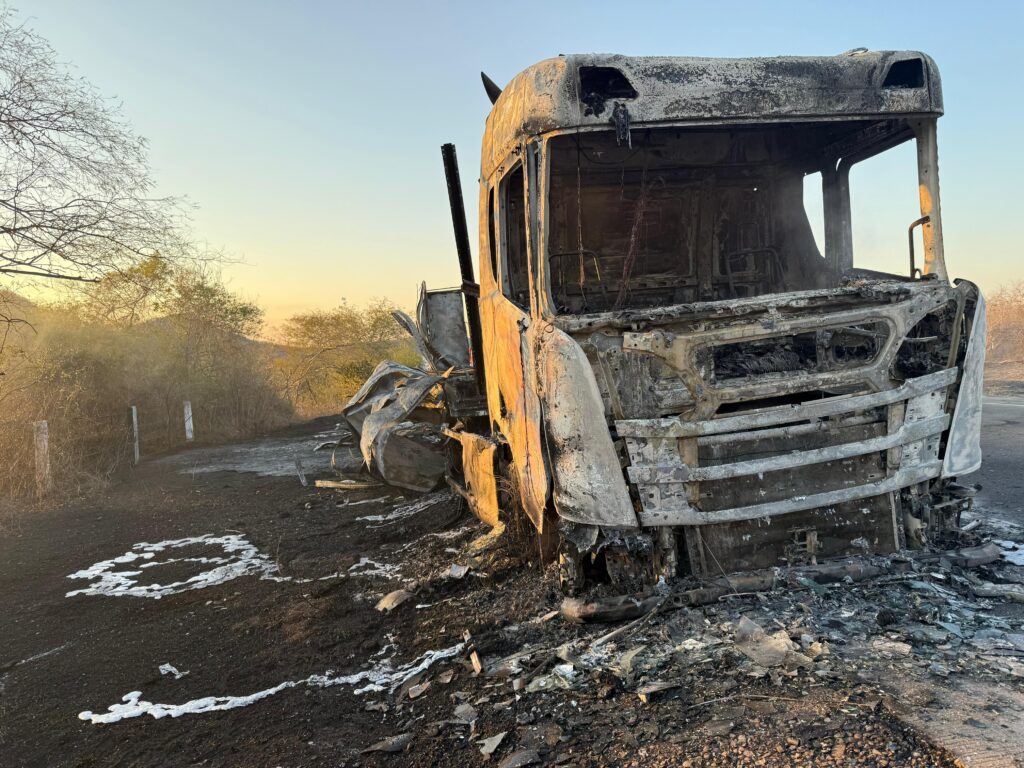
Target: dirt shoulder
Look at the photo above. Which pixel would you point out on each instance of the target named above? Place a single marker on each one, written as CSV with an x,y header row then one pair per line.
x,y
237,637
282,658
1004,379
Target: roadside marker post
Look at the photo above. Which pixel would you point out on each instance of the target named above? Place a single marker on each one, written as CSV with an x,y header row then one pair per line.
x,y
44,480
133,421
189,434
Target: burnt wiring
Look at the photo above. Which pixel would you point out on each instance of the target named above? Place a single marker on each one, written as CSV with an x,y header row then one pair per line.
x,y
639,210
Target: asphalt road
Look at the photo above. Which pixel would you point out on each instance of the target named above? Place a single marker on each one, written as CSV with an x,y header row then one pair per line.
x,y
1002,467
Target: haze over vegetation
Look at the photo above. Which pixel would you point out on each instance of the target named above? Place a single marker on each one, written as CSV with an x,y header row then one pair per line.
x,y
142,317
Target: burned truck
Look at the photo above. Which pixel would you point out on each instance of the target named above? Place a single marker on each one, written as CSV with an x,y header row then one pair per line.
x,y
672,377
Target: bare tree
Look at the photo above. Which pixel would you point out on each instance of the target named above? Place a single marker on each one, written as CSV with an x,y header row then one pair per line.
x,y
75,189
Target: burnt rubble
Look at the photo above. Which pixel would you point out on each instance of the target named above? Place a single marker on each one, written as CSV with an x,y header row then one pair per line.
x,y
802,672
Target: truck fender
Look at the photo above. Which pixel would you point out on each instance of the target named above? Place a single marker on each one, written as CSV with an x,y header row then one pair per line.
x,y
963,446
588,485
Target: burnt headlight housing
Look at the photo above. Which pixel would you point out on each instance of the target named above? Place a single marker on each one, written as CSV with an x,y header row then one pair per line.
x,y
926,348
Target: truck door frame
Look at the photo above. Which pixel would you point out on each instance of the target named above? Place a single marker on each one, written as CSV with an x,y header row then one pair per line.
x,y
512,397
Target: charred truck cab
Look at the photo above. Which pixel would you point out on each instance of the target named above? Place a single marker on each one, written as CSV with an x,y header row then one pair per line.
x,y
678,381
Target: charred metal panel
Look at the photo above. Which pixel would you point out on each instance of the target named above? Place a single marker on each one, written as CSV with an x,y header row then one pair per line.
x,y
549,96
410,455
687,352
441,317
587,478
745,478
963,447
512,399
481,484
513,403
463,399
405,452
878,292
634,385
864,526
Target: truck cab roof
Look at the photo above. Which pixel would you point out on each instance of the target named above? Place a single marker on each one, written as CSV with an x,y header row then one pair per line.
x,y
581,90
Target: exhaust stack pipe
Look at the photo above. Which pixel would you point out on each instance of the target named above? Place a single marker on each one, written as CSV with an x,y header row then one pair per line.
x,y
470,288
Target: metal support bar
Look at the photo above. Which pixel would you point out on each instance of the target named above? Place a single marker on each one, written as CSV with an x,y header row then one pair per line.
x,y
928,189
788,413
914,271
41,436
792,430
835,187
908,433
470,288
189,429
691,516
133,425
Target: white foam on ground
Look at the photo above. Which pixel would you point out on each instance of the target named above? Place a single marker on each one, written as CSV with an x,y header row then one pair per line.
x,y
357,503
400,513
43,655
369,567
452,534
378,678
455,533
170,669
1013,551
241,558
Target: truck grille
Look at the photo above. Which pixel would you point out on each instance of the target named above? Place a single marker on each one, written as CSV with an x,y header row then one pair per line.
x,y
849,452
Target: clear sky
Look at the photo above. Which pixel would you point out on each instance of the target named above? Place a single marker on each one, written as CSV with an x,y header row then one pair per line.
x,y
307,133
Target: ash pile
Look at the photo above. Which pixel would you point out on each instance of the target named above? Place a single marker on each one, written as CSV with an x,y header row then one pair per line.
x,y
912,659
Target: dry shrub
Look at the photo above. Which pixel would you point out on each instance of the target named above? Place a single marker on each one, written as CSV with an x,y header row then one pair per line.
x,y
521,539
327,355
1006,324
77,203
79,368
154,336
46,381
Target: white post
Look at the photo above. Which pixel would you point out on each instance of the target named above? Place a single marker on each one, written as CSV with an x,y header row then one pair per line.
x,y
133,420
189,434
44,480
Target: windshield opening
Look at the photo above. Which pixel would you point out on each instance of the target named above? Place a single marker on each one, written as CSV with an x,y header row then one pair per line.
x,y
682,215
